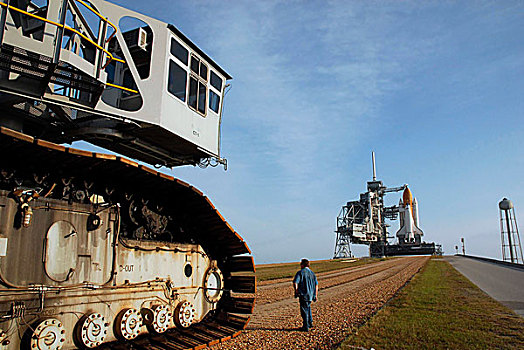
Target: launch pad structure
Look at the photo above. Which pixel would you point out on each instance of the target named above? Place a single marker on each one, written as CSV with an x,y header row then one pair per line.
x,y
364,222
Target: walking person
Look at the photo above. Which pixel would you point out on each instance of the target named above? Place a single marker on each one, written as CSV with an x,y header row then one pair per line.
x,y
306,289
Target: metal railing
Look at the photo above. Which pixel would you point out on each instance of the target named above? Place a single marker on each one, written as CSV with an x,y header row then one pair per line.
x,y
82,35
102,18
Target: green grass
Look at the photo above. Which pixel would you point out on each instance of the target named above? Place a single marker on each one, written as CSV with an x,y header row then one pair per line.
x,y
288,270
440,309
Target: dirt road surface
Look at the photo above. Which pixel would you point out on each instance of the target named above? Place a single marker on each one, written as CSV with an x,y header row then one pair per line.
x,y
346,299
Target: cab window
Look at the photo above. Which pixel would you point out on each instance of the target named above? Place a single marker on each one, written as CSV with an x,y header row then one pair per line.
x,y
214,101
216,81
179,51
177,81
188,80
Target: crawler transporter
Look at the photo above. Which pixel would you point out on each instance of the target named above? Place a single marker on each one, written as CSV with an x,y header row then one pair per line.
x,y
101,250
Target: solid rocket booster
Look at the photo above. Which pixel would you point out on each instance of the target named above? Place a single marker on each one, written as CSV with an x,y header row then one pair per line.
x,y
408,212
415,211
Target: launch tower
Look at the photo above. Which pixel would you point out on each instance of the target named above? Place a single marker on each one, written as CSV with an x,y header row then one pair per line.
x,y
364,222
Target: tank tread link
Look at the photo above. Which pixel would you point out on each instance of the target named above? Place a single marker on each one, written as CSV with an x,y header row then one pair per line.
x,y
140,294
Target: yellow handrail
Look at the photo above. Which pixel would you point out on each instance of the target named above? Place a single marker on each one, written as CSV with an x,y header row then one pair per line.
x,y
122,88
111,57
102,18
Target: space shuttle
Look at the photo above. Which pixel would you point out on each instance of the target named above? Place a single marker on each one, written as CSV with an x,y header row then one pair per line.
x,y
409,231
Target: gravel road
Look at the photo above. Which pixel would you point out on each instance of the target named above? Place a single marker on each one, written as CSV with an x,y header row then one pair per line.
x,y
346,298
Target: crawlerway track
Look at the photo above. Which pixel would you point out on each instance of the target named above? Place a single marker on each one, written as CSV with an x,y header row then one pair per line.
x,y
346,299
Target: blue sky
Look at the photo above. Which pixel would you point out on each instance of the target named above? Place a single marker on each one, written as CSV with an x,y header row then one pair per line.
x,y
436,89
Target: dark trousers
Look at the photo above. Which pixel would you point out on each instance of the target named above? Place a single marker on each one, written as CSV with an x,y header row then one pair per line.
x,y
305,312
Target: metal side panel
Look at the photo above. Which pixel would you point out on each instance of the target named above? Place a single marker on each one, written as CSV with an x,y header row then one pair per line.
x,y
56,249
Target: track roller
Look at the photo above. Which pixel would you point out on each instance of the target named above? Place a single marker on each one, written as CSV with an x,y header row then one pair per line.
x,y
48,335
91,331
158,318
127,324
184,314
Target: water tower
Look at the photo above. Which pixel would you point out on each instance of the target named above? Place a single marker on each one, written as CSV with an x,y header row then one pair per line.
x,y
509,233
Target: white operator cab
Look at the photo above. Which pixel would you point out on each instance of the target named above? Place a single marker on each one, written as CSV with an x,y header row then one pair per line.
x,y
180,88
159,98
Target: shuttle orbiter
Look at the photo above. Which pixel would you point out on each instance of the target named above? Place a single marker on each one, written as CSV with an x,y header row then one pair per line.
x,y
409,231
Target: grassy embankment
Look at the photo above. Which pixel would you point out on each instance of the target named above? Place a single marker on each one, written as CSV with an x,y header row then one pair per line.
x,y
288,270
440,309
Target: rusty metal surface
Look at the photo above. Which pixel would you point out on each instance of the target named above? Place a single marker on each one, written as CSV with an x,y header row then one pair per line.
x,y
183,197
58,268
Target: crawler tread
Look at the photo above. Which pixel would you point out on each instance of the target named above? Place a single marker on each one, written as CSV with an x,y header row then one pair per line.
x,y
217,237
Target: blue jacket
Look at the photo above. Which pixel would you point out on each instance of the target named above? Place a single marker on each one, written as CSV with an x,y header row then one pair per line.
x,y
307,282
